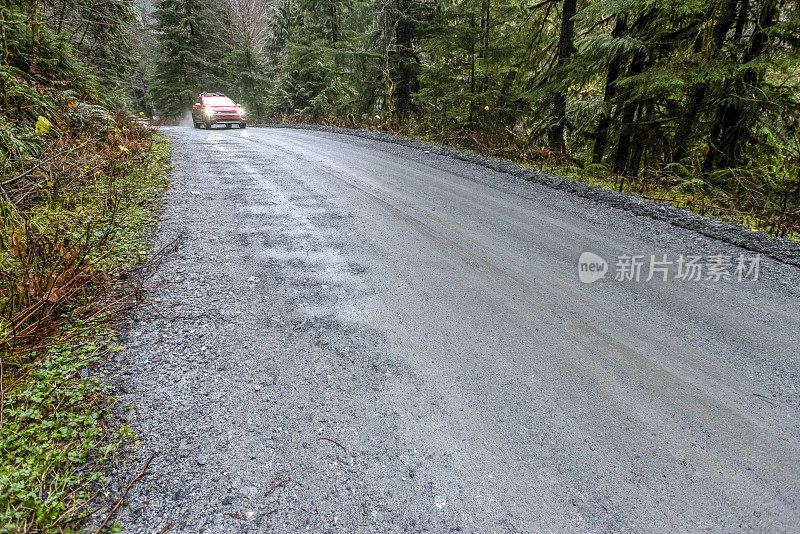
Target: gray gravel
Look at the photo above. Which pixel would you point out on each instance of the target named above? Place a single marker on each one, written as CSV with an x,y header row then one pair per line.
x,y
359,336
784,250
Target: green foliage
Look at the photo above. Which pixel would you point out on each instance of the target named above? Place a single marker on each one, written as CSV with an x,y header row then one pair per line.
x,y
47,48
20,93
136,195
15,144
77,179
308,81
191,52
51,426
56,438
105,44
80,33
54,423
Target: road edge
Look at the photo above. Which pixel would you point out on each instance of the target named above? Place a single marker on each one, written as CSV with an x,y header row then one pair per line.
x,y
780,249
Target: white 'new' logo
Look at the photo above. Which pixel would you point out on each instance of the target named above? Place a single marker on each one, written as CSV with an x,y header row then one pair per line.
x,y
591,267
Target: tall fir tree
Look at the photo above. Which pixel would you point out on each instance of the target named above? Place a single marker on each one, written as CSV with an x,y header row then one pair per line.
x,y
192,43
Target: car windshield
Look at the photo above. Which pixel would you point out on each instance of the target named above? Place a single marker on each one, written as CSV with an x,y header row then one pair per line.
x,y
218,101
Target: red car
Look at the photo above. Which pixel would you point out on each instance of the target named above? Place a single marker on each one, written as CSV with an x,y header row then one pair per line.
x,y
216,108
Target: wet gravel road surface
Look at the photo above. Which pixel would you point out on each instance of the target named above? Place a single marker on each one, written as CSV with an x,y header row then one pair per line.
x,y
357,336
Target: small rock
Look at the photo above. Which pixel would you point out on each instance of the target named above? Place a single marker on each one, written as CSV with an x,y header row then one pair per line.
x,y
202,459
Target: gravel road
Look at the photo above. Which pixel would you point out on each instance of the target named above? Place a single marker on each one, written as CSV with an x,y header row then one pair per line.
x,y
358,336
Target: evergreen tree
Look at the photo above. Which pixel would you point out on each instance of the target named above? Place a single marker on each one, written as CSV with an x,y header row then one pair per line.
x,y
191,48
246,62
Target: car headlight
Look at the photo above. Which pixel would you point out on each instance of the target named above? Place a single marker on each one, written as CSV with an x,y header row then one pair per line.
x,y
208,111
241,112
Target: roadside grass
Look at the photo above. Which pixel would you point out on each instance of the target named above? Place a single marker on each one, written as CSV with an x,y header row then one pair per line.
x,y
57,432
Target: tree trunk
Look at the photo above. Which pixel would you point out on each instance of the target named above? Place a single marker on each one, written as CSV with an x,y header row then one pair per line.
x,y
697,92
3,36
403,44
627,117
61,16
741,20
33,22
251,69
620,28
729,130
334,22
486,8
635,161
565,49
487,20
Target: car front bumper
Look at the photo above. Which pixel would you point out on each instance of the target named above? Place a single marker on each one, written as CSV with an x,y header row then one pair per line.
x,y
227,119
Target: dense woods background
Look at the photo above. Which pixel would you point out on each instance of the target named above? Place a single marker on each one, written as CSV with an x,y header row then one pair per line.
x,y
690,101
